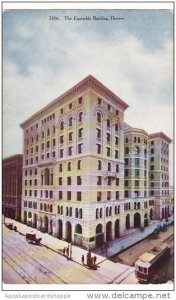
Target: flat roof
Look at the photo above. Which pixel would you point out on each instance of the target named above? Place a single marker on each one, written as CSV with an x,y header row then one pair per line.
x,y
160,135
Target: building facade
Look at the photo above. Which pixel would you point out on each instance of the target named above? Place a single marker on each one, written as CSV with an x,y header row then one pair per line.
x,y
73,168
12,186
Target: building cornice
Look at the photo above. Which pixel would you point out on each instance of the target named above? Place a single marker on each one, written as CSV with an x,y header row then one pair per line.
x,y
87,83
160,135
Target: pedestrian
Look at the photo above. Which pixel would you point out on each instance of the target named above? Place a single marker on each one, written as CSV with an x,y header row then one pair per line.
x,y
92,261
95,259
82,259
89,258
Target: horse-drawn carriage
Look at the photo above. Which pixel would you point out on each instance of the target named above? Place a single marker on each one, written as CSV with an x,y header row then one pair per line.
x,y
31,238
11,226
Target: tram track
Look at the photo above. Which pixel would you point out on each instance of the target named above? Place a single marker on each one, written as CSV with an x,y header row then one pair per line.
x,y
26,259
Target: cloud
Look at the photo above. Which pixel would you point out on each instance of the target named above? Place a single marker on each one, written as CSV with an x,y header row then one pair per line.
x,y
43,61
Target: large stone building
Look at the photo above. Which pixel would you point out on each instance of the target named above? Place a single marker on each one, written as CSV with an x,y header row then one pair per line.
x,y
73,168
12,186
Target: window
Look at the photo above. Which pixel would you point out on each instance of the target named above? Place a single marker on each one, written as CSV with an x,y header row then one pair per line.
x,y
136,161
117,195
136,183
126,194
152,143
60,167
98,196
109,167
108,195
152,158
108,151
70,106
116,140
60,180
35,181
46,176
126,172
70,121
79,180
126,150
80,132
109,107
68,195
116,154
48,144
126,161
126,182
108,137
79,165
62,125
61,153
116,127
98,149
152,167
80,100
80,148
136,172
48,132
109,180
80,117
69,166
78,196
53,154
61,139
70,136
117,168
152,151
139,140
98,117
99,101
98,133
117,181
99,180
51,194
60,195
99,165
70,151
61,111
126,140
108,123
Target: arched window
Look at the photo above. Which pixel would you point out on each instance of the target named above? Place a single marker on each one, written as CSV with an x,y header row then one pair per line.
x,y
109,167
61,210
48,132
118,209
107,211
101,212
76,212
116,127
135,139
99,165
62,125
98,117
97,213
45,207
78,229
80,213
51,208
80,117
110,211
29,214
70,211
108,122
58,209
67,211
138,205
70,121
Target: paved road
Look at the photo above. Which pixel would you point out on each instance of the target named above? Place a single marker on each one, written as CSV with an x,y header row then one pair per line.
x,y
25,263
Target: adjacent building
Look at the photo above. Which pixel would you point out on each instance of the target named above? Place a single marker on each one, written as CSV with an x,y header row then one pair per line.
x,y
85,172
12,186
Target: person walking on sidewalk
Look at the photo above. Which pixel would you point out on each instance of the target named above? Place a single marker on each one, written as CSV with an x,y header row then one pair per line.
x,y
82,259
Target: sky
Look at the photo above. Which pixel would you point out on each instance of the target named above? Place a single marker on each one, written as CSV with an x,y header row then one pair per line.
x,y
44,56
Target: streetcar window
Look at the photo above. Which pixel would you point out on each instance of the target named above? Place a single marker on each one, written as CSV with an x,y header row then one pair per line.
x,y
145,270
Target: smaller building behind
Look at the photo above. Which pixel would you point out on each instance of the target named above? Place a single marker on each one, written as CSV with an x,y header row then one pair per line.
x,y
12,186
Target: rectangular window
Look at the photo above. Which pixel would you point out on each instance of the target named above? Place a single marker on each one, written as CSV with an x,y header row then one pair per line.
x,y
116,154
61,139
98,149
48,155
152,167
51,194
80,100
99,101
126,182
68,195
136,161
60,180
60,167
98,196
69,180
70,151
98,133
108,137
109,107
116,141
61,153
117,195
108,151
136,183
70,105
126,172
78,196
48,144
53,154
126,194
80,148
99,180
117,181
54,142
136,172
126,161
35,182
60,195
70,136
108,195
80,133
35,193
79,180
61,111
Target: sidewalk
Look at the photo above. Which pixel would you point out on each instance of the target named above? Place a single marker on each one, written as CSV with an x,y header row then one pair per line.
x,y
115,247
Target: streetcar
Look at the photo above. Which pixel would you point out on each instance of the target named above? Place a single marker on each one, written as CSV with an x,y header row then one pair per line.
x,y
146,265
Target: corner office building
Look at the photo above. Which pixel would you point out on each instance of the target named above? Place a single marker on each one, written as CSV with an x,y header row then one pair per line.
x,y
73,169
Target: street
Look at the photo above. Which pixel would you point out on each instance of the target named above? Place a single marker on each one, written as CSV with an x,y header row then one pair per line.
x,y
25,263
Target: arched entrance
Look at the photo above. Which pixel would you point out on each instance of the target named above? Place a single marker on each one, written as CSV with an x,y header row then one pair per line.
x,y
151,214
78,229
99,235
25,217
137,220
117,228
68,232
35,220
60,229
109,231
128,221
145,220
46,224
78,235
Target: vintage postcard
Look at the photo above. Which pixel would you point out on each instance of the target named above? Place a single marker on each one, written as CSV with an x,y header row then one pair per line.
x,y
87,166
